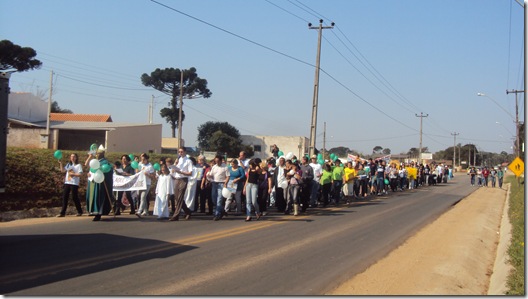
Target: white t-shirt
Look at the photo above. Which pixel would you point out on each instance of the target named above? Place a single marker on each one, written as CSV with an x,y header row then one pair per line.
x,y
318,171
72,180
218,174
146,168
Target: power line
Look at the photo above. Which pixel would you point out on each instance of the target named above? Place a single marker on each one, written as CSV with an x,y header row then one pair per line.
x,y
106,86
233,34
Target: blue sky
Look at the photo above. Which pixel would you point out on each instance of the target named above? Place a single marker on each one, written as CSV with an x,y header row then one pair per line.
x,y
384,62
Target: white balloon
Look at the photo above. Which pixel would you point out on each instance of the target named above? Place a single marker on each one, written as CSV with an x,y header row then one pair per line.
x,y
289,156
226,193
94,163
98,176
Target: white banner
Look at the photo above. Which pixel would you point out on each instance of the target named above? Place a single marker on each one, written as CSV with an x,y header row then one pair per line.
x,y
130,183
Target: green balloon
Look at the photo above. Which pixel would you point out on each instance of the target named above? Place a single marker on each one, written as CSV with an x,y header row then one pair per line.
x,y
57,154
106,168
157,166
131,156
93,170
280,153
93,147
134,164
386,182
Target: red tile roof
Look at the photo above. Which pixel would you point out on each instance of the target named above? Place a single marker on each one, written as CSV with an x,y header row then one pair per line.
x,y
80,117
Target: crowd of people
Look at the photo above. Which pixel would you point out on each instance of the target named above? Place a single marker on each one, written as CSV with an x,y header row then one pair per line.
x,y
484,174
241,185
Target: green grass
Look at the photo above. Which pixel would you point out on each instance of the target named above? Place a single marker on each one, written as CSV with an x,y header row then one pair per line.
x,y
516,250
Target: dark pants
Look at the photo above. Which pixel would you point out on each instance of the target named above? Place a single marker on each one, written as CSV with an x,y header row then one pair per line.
x,y
326,188
119,203
179,193
262,199
336,190
280,202
75,196
393,184
197,195
205,195
306,192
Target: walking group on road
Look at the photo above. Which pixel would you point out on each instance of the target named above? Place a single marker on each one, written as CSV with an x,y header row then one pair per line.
x,y
249,186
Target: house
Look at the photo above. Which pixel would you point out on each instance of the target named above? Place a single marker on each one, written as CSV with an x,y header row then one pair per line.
x,y
27,125
262,145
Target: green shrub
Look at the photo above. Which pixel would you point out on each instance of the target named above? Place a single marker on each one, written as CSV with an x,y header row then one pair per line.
x,y
34,180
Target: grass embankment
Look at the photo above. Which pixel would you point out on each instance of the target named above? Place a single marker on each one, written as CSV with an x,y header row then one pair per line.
x,y
516,250
34,180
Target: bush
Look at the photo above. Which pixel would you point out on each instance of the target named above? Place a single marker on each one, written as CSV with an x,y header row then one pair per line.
x,y
34,180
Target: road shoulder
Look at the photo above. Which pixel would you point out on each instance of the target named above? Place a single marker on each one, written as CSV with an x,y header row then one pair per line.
x,y
454,255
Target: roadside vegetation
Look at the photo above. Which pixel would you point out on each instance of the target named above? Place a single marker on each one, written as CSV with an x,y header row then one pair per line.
x,y
516,250
34,180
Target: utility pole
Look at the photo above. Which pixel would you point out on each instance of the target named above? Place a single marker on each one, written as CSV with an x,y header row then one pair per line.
x,y
4,98
151,110
180,111
475,155
469,155
421,116
49,111
324,139
454,149
517,137
313,126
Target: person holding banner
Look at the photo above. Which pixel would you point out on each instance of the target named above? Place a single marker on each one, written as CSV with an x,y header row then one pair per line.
x,y
150,174
125,170
98,194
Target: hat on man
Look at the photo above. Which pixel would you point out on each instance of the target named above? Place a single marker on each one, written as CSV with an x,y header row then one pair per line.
x,y
101,149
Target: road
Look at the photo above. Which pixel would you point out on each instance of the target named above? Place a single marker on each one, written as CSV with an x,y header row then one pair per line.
x,y
277,255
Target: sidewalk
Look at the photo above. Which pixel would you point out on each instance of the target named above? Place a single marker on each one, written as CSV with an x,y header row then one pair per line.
x,y
463,252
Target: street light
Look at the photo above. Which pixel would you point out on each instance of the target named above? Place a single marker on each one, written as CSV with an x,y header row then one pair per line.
x,y
514,118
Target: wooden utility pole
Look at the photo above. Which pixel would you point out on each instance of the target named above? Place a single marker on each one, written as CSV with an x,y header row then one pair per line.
x,y
313,127
454,149
517,137
421,116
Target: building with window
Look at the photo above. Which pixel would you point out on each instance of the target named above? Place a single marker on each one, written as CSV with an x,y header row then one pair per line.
x,y
262,145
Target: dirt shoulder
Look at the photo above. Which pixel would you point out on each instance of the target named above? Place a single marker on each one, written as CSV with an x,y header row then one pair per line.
x,y
454,255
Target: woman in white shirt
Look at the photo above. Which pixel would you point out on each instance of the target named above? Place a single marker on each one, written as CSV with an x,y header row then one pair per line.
x,y
73,172
145,167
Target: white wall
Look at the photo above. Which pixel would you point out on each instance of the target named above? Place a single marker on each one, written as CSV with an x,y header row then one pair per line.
x,y
31,138
285,144
27,107
135,139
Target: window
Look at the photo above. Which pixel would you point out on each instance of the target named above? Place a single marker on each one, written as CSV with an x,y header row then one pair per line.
x,y
257,148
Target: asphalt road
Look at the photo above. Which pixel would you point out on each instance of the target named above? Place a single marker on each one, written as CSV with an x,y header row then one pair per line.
x,y
277,255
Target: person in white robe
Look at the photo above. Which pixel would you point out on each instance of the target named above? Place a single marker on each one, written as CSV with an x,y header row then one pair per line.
x,y
163,189
190,192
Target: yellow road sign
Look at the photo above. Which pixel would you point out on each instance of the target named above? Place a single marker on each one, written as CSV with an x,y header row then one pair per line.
x,y
517,166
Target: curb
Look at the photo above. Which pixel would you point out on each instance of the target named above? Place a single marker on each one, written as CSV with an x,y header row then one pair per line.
x,y
502,267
